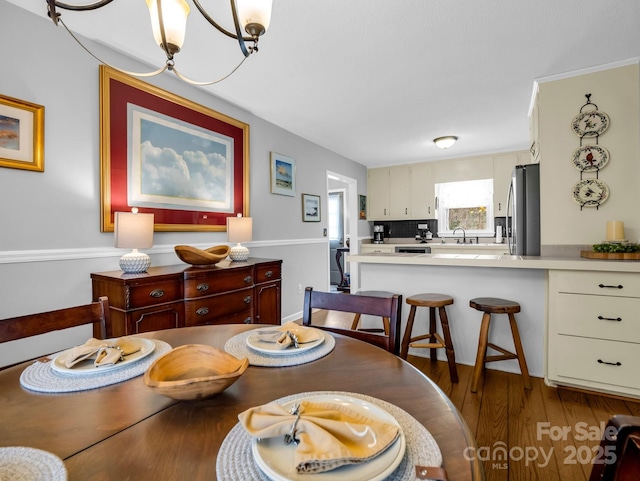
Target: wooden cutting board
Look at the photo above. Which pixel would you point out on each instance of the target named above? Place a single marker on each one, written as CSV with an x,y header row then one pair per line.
x,y
624,256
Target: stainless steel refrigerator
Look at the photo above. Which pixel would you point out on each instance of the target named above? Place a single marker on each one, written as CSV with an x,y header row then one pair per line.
x,y
523,211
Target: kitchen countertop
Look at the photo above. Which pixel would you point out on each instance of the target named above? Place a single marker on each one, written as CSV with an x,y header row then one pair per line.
x,y
500,261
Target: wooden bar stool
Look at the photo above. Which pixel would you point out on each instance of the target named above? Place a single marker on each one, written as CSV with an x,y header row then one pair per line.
x,y
385,320
433,302
494,305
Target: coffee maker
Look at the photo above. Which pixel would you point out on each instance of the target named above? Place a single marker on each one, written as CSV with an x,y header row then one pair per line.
x,y
378,234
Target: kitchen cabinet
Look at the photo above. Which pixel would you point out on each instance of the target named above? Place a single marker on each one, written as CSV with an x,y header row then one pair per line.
x,y
377,248
534,129
177,296
422,191
378,194
399,193
594,331
502,168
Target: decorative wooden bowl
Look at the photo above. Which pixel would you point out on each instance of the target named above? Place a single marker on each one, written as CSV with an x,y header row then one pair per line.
x,y
194,371
199,257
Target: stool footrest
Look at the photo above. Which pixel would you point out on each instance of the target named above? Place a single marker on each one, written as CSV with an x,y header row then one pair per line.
x,y
429,345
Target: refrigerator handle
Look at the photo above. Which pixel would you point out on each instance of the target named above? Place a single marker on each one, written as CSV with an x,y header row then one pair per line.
x,y
509,231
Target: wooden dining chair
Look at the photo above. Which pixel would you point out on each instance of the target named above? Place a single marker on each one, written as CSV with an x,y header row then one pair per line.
x,y
619,456
96,313
390,307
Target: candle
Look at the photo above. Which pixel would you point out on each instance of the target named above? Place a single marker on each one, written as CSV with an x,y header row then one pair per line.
x,y
615,230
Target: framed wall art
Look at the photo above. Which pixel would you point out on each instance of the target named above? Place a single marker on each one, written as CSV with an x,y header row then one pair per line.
x,y
310,208
362,206
283,175
166,155
21,134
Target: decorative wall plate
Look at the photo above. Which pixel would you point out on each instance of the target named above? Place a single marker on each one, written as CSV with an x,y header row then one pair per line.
x,y
590,192
590,124
590,158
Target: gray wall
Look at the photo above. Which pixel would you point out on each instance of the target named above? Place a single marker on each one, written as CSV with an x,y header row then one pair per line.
x,y
50,239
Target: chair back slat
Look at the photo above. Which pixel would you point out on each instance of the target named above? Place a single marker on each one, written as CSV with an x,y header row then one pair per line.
x,y
620,451
389,307
96,313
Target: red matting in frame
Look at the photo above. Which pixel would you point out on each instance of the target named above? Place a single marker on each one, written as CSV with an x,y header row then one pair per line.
x,y
117,90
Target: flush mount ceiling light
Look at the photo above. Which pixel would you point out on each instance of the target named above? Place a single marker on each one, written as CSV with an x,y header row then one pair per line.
x,y
446,141
169,20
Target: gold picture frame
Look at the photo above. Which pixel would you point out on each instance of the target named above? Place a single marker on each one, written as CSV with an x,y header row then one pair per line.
x,y
141,126
21,134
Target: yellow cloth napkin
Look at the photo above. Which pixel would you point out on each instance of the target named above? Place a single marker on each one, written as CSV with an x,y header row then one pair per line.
x,y
282,340
106,352
330,435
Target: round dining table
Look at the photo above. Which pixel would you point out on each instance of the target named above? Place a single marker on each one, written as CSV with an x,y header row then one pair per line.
x,y
126,431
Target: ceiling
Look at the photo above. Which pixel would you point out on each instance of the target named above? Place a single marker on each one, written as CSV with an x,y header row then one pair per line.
x,y
377,80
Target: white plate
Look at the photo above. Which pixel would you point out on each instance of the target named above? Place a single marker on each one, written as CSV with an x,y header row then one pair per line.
x,y
590,192
589,158
30,464
86,367
276,459
591,123
269,347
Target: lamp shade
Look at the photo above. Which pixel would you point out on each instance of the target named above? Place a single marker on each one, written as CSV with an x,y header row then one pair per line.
x,y
174,18
133,230
253,13
239,229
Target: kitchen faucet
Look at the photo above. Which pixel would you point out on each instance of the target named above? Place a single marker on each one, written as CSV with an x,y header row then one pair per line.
x,y
464,234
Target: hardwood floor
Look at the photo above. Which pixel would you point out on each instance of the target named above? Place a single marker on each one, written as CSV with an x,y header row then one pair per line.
x,y
544,434
548,434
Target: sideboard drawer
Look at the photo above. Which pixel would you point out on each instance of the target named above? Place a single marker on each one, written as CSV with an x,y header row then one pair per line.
x,y
219,281
201,310
144,295
617,319
607,362
620,284
267,272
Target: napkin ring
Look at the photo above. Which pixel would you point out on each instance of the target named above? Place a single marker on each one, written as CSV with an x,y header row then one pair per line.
x,y
294,339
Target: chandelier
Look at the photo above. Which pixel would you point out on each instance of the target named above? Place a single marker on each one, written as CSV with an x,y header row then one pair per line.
x,y
169,21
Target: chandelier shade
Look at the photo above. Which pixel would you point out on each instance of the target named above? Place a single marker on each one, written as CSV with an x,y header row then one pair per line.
x,y
169,22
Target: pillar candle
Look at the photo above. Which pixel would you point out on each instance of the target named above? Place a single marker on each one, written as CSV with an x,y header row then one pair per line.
x,y
615,230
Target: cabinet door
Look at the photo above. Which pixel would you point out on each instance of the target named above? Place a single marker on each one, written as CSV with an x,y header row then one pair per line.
x,y
502,167
422,191
267,305
399,193
378,194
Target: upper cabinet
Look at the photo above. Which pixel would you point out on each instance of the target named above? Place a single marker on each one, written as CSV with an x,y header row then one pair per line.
x,y
502,168
399,193
378,194
422,191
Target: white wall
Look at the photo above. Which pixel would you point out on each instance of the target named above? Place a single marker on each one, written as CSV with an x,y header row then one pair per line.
x,y
616,91
50,239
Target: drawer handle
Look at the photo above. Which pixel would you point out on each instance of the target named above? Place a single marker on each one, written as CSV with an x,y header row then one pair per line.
x,y
268,274
203,311
248,279
202,287
619,286
247,320
610,318
156,293
600,361
247,300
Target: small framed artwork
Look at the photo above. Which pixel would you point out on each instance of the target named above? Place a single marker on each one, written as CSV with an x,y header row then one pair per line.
x,y
310,208
283,175
362,207
21,134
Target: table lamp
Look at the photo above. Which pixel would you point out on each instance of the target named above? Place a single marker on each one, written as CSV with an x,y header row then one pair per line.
x,y
239,229
134,231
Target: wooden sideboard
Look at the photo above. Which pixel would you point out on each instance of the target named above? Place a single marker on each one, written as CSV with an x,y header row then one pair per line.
x,y
177,296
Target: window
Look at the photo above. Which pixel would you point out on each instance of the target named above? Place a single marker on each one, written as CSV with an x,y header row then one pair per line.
x,y
467,204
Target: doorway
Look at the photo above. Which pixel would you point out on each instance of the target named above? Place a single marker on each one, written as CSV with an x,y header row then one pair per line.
x,y
337,239
347,187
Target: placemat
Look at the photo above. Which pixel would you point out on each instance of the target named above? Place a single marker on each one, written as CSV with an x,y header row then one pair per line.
x,y
235,460
237,346
30,464
40,377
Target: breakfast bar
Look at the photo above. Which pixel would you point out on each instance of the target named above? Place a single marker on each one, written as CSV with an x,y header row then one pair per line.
x,y
547,288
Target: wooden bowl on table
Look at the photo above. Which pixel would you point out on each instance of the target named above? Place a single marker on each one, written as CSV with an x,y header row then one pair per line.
x,y
198,257
194,371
